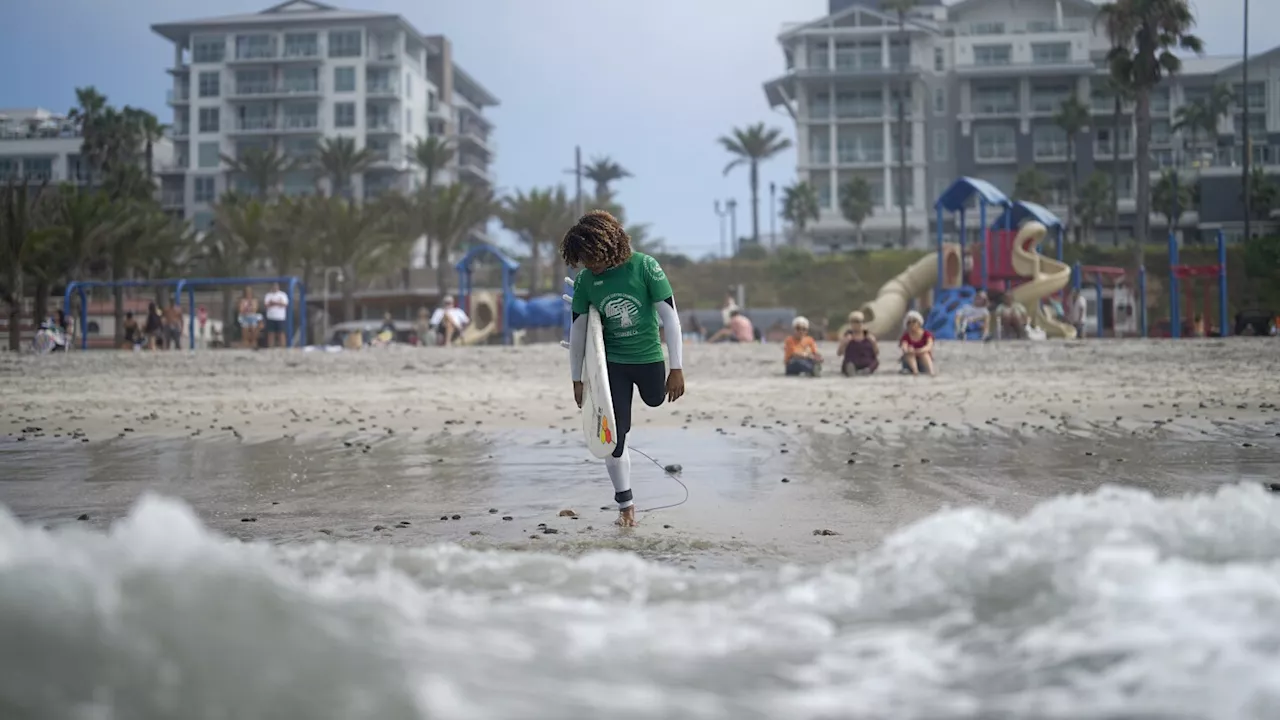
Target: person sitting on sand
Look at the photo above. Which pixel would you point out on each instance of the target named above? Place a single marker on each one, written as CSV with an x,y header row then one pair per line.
x,y
635,296
975,313
449,322
739,329
132,333
1012,318
858,348
917,346
800,354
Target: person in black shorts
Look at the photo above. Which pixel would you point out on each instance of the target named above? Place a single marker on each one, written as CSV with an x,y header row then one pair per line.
x,y
631,293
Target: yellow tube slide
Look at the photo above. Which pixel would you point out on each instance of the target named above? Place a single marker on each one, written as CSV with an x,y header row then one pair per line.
x,y
1046,277
883,316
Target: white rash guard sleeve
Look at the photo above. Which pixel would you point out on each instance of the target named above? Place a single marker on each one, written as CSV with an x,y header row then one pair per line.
x,y
672,332
577,347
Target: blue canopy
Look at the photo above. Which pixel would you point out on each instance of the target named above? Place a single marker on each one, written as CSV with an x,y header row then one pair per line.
x,y
962,191
1021,211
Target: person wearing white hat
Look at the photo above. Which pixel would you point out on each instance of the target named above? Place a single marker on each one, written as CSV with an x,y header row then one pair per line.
x,y
858,347
917,347
800,353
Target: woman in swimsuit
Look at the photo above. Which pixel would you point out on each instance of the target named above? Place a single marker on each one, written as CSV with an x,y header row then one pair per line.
x,y
917,346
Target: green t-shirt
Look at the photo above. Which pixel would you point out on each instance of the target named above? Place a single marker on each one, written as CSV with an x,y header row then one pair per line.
x,y
624,296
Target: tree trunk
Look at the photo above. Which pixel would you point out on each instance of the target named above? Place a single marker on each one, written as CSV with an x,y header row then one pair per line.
x,y
442,275
1071,187
41,309
1142,162
348,293
228,316
1115,173
15,307
755,208
117,293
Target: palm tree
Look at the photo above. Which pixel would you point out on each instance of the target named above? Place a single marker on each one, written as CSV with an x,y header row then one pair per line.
x,y
537,218
1264,194
1144,35
166,248
603,171
753,145
1073,117
89,115
150,130
642,241
1202,114
901,8
1032,185
432,155
1120,94
450,213
799,207
339,161
856,204
82,226
1094,204
262,168
361,239
1170,198
25,227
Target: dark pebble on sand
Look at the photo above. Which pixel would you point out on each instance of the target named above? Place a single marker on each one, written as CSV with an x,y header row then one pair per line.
x,y
674,469
924,461
1246,444
326,532
248,519
1090,454
897,465
403,522
493,511
444,517
82,517
507,517
550,531
825,532
666,527
850,461
785,480
457,517
1274,487
376,528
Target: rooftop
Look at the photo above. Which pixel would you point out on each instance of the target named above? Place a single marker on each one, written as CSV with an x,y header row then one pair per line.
x,y
35,123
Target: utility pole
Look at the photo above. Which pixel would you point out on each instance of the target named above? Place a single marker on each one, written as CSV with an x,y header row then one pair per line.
x,y
1248,148
733,225
577,173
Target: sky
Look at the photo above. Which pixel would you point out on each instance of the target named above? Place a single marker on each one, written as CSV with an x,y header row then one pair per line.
x,y
648,83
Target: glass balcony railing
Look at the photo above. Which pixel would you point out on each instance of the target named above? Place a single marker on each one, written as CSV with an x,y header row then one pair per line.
x,y
256,52
256,123
301,122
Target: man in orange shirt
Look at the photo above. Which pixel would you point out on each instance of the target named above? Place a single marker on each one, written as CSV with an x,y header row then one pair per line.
x,y
799,352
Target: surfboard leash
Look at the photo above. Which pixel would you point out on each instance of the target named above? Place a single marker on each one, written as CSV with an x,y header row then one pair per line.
x,y
669,474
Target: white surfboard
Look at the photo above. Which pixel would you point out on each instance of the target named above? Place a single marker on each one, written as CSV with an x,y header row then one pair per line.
x,y
599,426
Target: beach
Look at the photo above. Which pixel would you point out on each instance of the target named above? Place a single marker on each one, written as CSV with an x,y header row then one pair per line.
x,y
846,520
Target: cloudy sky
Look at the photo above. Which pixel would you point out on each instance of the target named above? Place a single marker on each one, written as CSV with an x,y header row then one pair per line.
x,y
650,83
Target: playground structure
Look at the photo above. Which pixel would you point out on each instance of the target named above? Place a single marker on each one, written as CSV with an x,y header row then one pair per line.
x,y
1189,273
944,272
296,290
504,313
1122,298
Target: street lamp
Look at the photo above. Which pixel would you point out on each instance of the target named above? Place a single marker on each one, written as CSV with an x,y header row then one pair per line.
x,y
341,279
733,223
721,213
773,214
1244,135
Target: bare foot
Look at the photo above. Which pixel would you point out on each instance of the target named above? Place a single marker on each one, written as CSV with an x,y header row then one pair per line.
x,y
626,518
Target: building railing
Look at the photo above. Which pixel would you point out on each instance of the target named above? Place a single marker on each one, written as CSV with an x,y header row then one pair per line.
x,y
301,122
248,89
172,198
301,50
257,52
382,88
256,123
382,123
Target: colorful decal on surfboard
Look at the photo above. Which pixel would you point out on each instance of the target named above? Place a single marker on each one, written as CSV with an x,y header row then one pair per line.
x,y
602,428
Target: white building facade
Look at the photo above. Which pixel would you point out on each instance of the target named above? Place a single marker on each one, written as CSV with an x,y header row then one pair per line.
x,y
986,78
301,71
40,146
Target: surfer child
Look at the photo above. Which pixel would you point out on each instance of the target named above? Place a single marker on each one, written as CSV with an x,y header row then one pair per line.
x,y
631,292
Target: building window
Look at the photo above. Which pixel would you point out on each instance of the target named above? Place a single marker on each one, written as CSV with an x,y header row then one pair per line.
x,y
8,169
209,120
344,115
992,54
995,143
1050,53
208,155
820,105
38,169
986,28
860,145
939,101
408,85
208,49
302,45
1048,98
1103,144
822,188
209,84
819,145
408,120
252,47
204,188
344,43
344,79
1048,142
939,60
940,144
994,100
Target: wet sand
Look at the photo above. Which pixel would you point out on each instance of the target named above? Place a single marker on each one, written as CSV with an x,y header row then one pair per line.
x,y
388,446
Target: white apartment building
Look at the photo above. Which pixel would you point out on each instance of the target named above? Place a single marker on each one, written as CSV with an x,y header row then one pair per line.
x,y
38,146
986,78
300,71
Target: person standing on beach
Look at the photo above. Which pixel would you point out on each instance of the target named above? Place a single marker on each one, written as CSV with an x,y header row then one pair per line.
x,y
631,292
277,305
249,318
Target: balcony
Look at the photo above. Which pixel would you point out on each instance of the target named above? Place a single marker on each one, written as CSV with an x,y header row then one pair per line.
x,y
860,110
861,156
180,132
1049,150
255,54
382,89
474,137
382,124
255,125
172,198
301,52
387,157
995,107
381,55
301,123
474,171
180,96
246,90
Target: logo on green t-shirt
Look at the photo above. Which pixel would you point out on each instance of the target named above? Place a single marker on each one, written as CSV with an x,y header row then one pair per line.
x,y
624,296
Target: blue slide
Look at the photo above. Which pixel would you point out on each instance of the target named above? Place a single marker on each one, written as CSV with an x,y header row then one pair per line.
x,y
942,316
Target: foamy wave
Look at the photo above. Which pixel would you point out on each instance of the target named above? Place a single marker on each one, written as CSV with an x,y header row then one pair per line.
x,y
1107,605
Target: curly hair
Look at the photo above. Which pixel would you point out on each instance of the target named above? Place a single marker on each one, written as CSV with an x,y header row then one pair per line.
x,y
596,239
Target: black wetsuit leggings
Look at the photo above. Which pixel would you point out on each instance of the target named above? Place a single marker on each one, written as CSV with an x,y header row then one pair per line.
x,y
650,379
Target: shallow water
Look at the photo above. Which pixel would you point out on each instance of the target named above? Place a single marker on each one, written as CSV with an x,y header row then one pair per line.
x,y
1115,604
